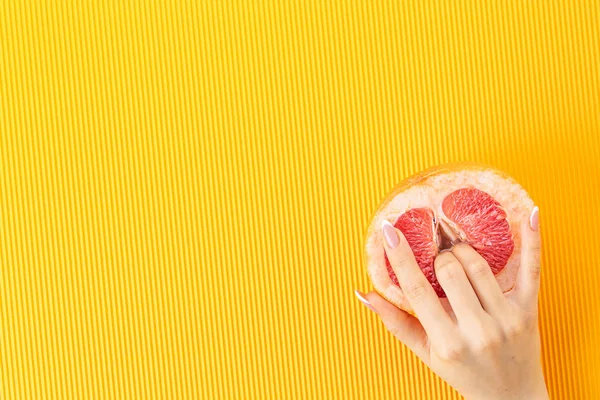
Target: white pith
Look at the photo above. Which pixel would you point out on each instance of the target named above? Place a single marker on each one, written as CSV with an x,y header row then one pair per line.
x,y
429,193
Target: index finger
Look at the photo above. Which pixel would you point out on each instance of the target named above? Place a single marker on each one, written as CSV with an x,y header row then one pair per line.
x,y
416,287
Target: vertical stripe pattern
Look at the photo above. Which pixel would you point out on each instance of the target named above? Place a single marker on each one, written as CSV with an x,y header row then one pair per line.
x,y
185,185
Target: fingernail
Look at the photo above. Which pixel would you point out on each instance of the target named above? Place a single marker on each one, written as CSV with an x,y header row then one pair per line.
x,y
390,235
364,301
534,219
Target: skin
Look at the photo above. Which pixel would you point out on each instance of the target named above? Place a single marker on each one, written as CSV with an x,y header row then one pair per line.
x,y
489,346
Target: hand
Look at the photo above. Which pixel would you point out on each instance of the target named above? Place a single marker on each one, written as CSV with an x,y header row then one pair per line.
x,y
488,347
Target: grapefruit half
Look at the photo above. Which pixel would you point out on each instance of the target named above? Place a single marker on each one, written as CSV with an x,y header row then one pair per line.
x,y
441,207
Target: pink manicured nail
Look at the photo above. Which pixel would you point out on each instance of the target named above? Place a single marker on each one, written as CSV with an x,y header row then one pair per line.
x,y
534,219
390,235
364,301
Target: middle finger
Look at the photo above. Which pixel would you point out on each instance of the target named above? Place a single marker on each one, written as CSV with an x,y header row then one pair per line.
x,y
481,277
451,276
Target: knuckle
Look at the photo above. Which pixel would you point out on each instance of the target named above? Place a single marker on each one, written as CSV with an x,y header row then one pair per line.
x,y
447,272
415,291
530,319
479,268
535,269
491,341
484,334
516,328
452,352
535,246
401,260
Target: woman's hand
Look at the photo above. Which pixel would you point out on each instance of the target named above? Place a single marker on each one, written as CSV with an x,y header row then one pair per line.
x,y
489,347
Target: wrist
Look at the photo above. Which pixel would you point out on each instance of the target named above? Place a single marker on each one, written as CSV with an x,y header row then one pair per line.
x,y
537,391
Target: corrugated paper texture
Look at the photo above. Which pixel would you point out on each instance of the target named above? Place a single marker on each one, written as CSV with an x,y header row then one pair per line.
x,y
186,186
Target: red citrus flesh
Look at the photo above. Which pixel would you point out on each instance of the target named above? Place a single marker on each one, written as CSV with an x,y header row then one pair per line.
x,y
418,227
480,219
484,223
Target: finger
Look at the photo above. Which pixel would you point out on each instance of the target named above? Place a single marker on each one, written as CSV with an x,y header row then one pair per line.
x,y
402,325
416,287
481,277
528,278
454,281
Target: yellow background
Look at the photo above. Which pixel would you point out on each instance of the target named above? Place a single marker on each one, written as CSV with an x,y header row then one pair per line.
x,y
186,185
